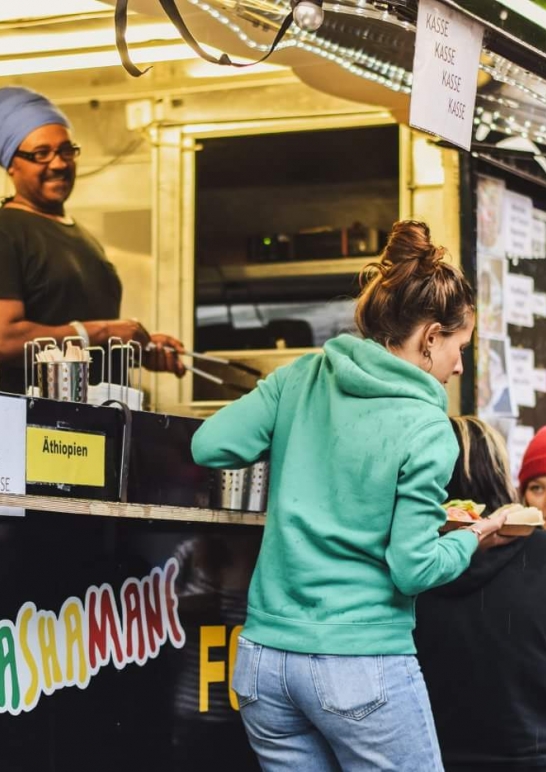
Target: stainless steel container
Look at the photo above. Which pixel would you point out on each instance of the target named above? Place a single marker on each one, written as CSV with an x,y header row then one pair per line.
x,y
244,490
65,381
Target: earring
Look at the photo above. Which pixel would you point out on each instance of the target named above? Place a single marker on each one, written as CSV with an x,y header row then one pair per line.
x,y
428,356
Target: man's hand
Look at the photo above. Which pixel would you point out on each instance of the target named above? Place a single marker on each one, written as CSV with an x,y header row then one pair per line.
x,y
164,354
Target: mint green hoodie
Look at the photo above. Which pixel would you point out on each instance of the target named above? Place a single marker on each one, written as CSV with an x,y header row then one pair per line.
x,y
361,450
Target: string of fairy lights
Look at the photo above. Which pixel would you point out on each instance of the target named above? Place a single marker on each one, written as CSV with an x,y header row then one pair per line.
x,y
519,113
353,60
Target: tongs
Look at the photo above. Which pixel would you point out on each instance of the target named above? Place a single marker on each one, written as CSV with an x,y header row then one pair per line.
x,y
218,360
222,361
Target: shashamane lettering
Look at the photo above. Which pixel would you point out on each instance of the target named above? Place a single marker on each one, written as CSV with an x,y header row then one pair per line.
x,y
58,448
43,651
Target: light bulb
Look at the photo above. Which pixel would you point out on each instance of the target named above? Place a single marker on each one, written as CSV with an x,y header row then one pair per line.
x,y
308,15
482,132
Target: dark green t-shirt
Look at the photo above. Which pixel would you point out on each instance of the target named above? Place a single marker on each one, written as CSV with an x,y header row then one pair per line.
x,y
60,272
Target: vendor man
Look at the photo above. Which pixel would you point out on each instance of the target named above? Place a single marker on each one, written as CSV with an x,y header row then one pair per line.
x,y
55,279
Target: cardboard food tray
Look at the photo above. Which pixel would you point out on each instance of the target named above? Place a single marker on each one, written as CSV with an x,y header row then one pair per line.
x,y
513,529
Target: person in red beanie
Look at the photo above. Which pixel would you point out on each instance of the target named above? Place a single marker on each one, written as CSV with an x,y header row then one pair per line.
x,y
532,475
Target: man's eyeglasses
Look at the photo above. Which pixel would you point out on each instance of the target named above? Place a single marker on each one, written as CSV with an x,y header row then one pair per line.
x,y
44,155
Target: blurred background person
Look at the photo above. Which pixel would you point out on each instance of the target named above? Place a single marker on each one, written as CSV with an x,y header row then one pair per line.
x,y
481,639
56,280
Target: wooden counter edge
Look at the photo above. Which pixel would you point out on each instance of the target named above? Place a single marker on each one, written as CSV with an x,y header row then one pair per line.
x,y
139,511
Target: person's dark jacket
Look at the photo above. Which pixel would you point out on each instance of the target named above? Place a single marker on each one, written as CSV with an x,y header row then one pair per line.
x,y
481,642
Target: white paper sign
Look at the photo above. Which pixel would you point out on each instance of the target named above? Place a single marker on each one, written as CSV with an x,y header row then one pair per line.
x,y
518,225
539,377
539,234
518,295
520,437
522,375
13,421
539,303
445,72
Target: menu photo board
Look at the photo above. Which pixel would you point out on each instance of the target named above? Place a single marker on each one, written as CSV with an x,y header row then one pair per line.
x,y
511,311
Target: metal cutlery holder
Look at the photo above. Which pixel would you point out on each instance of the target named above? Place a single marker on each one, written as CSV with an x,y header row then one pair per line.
x,y
69,381
244,490
61,380
65,381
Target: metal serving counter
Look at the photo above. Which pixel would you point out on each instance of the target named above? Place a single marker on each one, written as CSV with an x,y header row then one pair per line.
x,y
118,619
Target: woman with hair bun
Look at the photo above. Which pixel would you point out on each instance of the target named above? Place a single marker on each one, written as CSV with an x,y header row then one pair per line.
x,y
360,451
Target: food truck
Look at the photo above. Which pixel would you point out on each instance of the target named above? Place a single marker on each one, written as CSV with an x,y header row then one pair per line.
x,y
239,209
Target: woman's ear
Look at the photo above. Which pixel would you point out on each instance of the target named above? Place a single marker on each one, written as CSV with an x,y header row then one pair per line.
x,y
430,335
10,171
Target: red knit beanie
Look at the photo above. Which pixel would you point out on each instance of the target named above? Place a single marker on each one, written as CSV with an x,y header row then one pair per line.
x,y
534,460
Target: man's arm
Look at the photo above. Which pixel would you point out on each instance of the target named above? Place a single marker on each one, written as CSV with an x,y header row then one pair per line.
x,y
15,330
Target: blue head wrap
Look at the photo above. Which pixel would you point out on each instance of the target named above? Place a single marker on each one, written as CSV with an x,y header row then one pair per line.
x,y
22,111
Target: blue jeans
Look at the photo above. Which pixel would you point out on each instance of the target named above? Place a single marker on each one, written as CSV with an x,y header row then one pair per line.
x,y
319,713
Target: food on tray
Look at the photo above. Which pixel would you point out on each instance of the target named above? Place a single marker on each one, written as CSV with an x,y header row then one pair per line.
x,y
517,514
463,510
520,520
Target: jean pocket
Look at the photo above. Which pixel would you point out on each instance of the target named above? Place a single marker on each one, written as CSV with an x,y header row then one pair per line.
x,y
245,674
352,687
